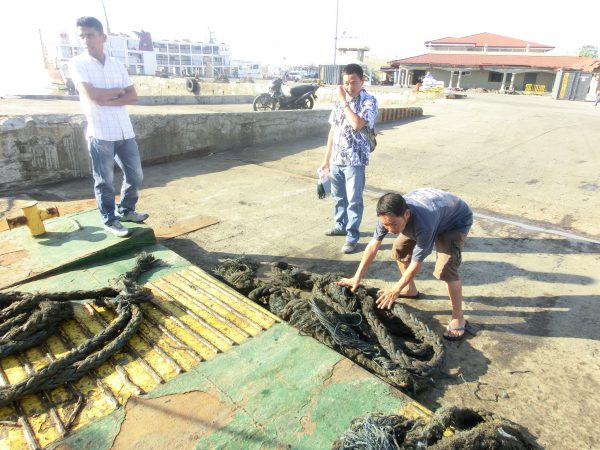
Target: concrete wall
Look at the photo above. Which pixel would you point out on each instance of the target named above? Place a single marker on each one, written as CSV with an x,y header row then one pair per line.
x,y
40,149
165,99
44,149
172,91
195,100
479,79
386,95
149,85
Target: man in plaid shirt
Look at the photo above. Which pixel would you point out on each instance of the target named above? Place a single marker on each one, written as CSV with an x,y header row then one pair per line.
x,y
104,89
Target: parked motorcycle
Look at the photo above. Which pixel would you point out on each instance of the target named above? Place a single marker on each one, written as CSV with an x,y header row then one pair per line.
x,y
301,97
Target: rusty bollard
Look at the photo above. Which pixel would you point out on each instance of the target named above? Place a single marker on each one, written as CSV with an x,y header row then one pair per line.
x,y
33,218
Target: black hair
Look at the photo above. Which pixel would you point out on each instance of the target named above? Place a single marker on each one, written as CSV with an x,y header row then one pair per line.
x,y
391,204
354,69
90,22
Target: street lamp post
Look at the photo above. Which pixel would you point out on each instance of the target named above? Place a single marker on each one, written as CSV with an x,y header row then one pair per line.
x,y
106,17
337,9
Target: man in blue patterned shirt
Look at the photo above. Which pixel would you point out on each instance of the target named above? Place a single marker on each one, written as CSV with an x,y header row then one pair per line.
x,y
347,153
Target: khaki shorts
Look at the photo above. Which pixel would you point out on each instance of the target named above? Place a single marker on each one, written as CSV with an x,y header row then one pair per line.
x,y
448,248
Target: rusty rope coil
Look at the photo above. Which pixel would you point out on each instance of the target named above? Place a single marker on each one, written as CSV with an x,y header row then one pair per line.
x,y
28,319
393,344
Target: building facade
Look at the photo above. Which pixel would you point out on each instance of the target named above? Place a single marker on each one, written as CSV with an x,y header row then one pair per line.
x,y
489,61
141,55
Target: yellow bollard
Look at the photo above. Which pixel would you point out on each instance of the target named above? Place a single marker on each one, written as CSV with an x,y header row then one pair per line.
x,y
33,218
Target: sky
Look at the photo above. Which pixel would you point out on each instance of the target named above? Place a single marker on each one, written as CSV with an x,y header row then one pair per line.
x,y
287,32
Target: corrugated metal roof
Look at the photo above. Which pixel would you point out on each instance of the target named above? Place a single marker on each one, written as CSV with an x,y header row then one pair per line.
x,y
489,39
506,61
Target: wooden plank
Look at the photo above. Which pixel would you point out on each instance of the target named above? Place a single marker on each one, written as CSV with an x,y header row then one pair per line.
x,y
164,231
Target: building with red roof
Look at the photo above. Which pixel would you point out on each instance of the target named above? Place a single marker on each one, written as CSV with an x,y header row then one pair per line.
x,y
498,63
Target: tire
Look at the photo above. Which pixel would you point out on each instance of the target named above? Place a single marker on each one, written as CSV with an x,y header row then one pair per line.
x,y
191,85
308,103
263,102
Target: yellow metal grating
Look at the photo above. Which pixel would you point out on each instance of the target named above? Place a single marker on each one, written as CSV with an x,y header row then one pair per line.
x,y
192,318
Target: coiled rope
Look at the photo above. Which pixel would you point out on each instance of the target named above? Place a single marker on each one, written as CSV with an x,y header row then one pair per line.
x,y
393,344
28,319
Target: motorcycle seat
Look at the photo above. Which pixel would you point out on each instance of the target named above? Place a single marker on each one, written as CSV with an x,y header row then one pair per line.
x,y
297,91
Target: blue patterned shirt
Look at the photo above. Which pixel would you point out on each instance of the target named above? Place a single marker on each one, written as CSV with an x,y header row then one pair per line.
x,y
351,147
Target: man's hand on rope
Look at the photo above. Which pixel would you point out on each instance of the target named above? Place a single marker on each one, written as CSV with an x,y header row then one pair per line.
x,y
352,283
386,298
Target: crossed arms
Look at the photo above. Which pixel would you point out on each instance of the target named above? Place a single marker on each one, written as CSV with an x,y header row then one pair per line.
x,y
109,97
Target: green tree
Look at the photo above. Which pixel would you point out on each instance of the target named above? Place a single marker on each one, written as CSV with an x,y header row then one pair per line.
x,y
588,51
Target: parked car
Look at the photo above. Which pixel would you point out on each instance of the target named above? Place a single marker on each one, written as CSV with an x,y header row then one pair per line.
x,y
293,75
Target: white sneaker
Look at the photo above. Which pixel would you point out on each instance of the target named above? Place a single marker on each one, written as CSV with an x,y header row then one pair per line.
x,y
132,216
349,247
116,228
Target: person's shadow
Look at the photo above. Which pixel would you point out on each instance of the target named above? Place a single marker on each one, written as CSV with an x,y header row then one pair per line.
x,y
58,238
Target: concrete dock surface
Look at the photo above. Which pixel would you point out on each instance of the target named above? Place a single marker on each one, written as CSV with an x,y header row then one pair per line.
x,y
529,168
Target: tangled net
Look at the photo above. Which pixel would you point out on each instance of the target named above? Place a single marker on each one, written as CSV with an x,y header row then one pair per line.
x,y
472,430
28,319
393,344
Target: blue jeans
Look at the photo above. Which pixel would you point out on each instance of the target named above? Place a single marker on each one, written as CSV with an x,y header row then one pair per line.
x,y
103,155
347,186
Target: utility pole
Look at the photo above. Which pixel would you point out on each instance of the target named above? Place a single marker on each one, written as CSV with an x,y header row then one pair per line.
x,y
106,18
337,9
44,52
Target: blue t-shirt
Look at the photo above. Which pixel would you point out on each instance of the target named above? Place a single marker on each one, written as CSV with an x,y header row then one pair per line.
x,y
432,212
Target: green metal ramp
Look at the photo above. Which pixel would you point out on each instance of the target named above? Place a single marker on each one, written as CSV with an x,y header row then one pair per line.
x,y
208,369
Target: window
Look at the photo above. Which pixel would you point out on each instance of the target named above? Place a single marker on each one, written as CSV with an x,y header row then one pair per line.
x,y
495,77
135,57
160,47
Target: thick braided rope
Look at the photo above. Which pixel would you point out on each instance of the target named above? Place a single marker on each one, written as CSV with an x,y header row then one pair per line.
x,y
399,354
344,321
89,354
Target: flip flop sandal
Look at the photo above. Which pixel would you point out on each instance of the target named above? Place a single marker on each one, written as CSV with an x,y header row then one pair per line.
x,y
414,297
450,337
